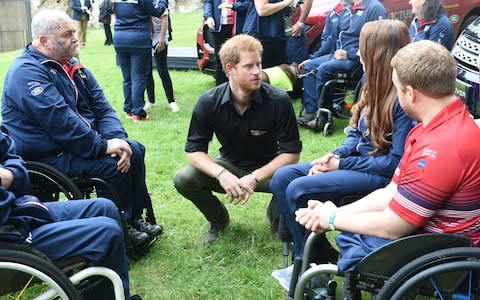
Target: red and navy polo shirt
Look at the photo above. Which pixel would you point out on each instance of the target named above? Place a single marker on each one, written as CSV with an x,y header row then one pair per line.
x,y
438,178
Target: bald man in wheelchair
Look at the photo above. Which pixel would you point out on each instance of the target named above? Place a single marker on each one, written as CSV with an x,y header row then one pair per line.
x,y
56,112
436,187
89,229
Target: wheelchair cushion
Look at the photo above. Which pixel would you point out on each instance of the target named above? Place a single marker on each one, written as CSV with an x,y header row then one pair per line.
x,y
385,261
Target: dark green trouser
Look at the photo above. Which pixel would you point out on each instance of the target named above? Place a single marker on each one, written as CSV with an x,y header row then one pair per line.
x,y
197,187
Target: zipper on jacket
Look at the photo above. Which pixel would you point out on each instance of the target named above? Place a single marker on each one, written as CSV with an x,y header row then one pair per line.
x,y
75,88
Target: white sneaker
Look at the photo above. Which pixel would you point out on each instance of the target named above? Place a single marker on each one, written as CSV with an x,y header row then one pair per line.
x,y
283,276
174,106
148,105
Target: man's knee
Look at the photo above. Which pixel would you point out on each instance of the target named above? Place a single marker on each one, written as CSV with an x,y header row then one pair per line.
x,y
183,179
279,177
138,151
109,230
107,207
295,189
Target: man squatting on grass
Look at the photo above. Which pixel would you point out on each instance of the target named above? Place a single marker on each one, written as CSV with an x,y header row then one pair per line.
x,y
55,111
421,197
256,127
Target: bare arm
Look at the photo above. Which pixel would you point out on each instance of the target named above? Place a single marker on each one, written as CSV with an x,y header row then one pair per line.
x,y
377,200
202,162
368,216
306,7
385,224
163,31
283,159
237,191
264,8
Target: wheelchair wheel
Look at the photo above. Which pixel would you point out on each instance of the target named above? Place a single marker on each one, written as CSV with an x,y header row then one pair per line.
x,y
26,275
445,274
328,129
47,183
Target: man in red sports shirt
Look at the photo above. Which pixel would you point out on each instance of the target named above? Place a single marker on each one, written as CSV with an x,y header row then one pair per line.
x,y
436,187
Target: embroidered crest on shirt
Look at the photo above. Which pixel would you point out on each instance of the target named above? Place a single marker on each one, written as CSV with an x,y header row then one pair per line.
x,y
257,132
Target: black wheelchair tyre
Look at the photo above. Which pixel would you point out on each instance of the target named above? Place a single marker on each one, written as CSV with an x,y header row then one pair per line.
x,y
41,264
46,180
401,281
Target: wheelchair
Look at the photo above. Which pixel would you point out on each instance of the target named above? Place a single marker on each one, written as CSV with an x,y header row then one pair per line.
x,y
29,274
48,183
344,91
425,266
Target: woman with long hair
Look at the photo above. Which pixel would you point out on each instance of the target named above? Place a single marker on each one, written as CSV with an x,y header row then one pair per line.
x,y
431,23
375,138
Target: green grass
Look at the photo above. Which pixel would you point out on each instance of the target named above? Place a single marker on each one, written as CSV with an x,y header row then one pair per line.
x,y
181,265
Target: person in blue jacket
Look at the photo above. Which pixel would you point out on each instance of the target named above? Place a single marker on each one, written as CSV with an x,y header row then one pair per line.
x,y
81,228
265,21
224,19
56,112
81,10
344,58
338,20
133,42
374,144
431,23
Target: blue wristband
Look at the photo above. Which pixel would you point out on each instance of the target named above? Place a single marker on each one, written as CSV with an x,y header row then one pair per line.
x,y
331,219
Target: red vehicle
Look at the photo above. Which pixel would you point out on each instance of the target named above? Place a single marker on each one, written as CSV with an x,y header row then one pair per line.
x,y
460,12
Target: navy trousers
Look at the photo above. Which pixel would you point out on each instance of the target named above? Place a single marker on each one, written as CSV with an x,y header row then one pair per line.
x,y
135,64
327,68
292,188
85,228
354,247
130,186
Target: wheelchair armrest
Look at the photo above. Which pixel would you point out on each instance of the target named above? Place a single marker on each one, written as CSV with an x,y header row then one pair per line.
x,y
385,261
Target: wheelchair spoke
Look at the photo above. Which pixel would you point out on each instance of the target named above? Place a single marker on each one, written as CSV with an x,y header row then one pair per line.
x,y
437,290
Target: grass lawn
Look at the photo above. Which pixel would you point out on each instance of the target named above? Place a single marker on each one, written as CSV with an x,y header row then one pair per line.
x,y
181,265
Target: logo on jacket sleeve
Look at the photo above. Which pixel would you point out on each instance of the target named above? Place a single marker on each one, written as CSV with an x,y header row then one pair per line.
x,y
35,88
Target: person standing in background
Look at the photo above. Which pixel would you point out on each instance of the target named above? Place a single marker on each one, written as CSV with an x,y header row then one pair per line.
x,y
81,10
223,18
133,43
105,17
431,23
160,37
265,21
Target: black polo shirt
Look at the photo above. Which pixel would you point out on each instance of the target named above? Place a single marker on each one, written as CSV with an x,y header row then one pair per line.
x,y
267,128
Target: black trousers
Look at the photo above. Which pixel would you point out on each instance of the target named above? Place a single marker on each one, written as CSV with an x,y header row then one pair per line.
x,y
108,34
162,68
274,52
219,38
